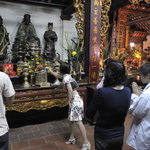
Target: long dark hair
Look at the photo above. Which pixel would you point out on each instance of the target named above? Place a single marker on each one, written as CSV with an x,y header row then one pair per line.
x,y
114,74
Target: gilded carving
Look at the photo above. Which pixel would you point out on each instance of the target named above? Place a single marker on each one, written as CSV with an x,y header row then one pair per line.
x,y
79,6
123,29
23,98
41,99
32,91
147,1
43,96
137,1
80,13
104,19
37,105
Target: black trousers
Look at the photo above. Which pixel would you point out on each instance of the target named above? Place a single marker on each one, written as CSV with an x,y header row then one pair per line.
x,y
108,144
4,141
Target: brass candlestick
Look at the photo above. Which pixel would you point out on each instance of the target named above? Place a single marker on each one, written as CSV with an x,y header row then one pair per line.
x,y
25,73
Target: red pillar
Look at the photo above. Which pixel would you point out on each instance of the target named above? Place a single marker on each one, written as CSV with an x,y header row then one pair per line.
x,y
92,38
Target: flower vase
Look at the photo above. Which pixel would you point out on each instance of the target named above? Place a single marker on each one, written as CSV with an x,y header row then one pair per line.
x,y
32,79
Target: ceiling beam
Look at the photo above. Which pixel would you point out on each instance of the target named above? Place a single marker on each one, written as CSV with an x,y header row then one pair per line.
x,y
137,21
66,14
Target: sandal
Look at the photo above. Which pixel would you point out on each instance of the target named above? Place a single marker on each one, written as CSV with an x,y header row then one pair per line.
x,y
86,146
71,141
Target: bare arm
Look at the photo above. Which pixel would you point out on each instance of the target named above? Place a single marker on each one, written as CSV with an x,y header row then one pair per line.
x,y
70,91
9,100
56,74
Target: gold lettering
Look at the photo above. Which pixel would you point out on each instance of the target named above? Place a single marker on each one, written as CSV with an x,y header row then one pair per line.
x,y
95,30
96,2
94,48
95,11
95,20
94,39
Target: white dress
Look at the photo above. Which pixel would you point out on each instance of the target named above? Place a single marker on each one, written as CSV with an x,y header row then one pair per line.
x,y
75,112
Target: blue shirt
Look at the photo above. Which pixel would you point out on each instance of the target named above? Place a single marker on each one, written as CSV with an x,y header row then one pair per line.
x,y
112,106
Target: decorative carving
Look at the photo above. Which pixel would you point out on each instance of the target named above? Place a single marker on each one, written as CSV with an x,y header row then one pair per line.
x,y
137,1
41,99
37,105
147,1
124,14
80,13
104,19
121,28
79,6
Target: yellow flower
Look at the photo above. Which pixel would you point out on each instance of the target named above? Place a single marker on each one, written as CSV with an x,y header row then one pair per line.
x,y
74,53
37,63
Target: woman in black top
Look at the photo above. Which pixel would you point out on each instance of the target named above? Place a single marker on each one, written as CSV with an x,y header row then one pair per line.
x,y
112,102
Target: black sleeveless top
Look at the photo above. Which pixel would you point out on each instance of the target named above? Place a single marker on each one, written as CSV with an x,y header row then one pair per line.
x,y
68,79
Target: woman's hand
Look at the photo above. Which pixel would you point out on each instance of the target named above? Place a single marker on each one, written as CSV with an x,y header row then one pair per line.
x,y
56,74
136,89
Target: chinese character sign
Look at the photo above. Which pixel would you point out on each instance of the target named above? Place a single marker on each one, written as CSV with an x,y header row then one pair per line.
x,y
94,41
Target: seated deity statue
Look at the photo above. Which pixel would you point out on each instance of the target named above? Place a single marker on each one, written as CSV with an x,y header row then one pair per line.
x,y
26,37
4,41
50,37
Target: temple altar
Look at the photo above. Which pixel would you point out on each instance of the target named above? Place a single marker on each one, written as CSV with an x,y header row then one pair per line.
x,y
40,104
44,99
41,98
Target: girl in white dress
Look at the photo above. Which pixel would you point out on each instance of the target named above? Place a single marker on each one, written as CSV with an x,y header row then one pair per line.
x,y
75,113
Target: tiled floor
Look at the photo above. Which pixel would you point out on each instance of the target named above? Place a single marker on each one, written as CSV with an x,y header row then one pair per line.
x,y
52,136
